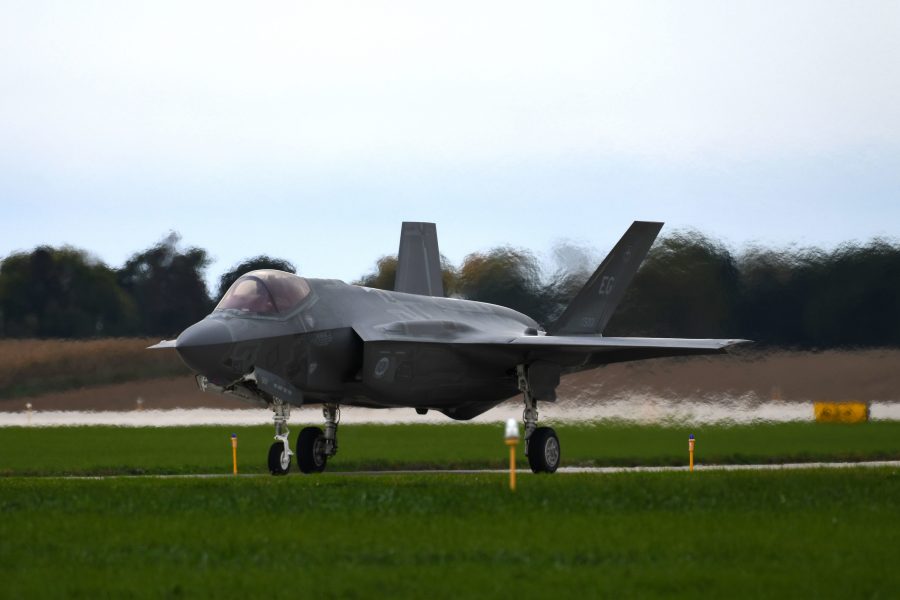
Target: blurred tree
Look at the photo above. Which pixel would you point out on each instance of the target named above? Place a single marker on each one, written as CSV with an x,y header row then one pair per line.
x,y
252,264
385,274
687,287
167,286
62,292
774,288
853,296
574,265
506,276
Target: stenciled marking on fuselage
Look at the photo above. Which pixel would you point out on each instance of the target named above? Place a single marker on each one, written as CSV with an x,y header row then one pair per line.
x,y
606,285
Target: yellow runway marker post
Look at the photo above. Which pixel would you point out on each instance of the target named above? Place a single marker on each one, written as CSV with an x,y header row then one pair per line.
x,y
691,451
512,440
234,451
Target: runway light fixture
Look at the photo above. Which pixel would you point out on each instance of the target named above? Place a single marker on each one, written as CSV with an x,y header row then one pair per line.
x,y
512,440
691,451
234,451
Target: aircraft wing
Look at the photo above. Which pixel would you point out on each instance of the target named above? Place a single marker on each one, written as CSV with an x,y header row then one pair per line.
x,y
162,344
581,343
604,350
468,340
597,350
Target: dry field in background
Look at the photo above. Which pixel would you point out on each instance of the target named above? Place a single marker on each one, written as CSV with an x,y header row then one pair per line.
x,y
111,374
783,375
34,367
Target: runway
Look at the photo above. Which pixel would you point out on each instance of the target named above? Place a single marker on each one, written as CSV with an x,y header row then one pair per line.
x,y
639,409
562,470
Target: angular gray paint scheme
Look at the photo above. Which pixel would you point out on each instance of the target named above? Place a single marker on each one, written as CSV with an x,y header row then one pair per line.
x,y
351,345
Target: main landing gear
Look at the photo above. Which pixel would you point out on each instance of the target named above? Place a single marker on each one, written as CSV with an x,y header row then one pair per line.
x,y
541,443
314,446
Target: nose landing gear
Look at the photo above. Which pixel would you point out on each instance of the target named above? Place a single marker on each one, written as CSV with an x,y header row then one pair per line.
x,y
314,447
280,451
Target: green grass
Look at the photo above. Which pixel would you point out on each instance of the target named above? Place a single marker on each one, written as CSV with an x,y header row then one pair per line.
x,y
808,534
111,450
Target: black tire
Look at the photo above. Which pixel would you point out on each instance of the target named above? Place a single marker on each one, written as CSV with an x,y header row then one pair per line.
x,y
311,450
543,450
279,464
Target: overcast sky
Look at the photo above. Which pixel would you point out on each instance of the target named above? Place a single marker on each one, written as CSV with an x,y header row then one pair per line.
x,y
309,131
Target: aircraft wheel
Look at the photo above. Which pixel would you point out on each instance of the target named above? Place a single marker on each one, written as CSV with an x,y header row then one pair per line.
x,y
311,450
543,450
279,460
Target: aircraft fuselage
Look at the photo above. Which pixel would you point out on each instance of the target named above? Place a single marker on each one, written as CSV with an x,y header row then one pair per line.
x,y
319,348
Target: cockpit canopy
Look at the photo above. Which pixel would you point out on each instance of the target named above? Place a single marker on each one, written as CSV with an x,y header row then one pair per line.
x,y
265,292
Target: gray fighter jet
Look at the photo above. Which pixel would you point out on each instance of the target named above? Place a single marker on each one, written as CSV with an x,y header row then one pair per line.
x,y
280,340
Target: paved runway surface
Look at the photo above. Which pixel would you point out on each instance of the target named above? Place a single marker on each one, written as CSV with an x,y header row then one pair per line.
x,y
638,409
563,470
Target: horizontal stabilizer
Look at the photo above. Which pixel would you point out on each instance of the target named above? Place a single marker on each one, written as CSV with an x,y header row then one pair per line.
x,y
593,307
419,261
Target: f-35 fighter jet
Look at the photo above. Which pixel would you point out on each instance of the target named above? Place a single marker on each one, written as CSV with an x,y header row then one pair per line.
x,y
280,340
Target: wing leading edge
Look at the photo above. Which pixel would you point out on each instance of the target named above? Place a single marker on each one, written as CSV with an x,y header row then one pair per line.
x,y
162,344
590,342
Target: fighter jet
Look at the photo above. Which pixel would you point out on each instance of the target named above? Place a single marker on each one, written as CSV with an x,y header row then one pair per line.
x,y
280,340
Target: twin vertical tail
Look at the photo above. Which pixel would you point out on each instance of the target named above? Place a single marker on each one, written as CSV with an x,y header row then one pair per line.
x,y
419,272
419,261
593,307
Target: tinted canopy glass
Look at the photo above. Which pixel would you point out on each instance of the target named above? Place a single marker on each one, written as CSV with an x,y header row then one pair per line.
x,y
265,292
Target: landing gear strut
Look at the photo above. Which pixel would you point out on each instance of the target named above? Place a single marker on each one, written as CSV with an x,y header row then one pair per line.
x,y
314,448
280,452
541,443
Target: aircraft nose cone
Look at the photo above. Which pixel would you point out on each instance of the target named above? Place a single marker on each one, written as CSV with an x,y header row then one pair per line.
x,y
205,347
204,333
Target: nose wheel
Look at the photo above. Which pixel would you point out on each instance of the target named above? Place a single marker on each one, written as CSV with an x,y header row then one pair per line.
x,y
279,459
280,452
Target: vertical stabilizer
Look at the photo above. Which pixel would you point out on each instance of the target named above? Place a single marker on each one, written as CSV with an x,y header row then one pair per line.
x,y
592,308
419,261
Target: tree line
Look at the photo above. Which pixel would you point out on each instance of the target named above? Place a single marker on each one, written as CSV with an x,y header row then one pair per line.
x,y
690,285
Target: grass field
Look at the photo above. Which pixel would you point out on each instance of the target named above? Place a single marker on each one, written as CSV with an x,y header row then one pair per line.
x,y
813,533
109,450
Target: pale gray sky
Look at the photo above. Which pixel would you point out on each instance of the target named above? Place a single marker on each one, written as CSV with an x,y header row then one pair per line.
x,y
309,131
